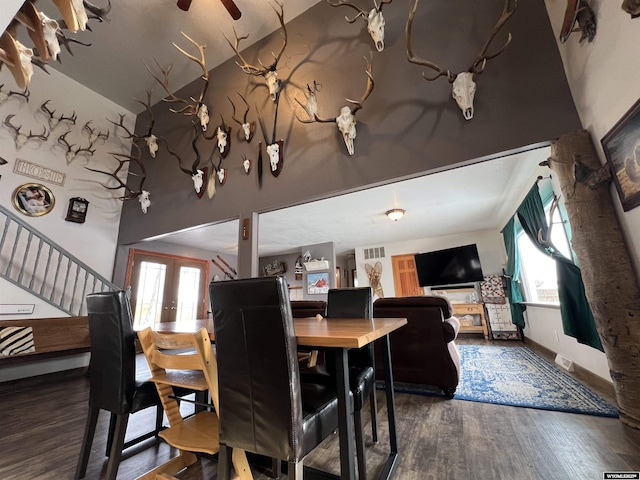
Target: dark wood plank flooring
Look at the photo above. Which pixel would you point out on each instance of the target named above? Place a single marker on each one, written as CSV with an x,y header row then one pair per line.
x,y
42,421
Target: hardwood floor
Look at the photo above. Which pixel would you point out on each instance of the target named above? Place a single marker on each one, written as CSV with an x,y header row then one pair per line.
x,y
42,422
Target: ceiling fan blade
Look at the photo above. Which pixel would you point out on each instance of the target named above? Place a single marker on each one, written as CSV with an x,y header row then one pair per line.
x,y
184,4
232,9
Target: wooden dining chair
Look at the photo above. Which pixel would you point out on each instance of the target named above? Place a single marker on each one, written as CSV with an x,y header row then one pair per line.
x,y
352,303
186,360
113,385
264,408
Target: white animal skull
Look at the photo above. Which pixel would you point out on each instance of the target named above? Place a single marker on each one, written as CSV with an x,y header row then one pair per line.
x,y
273,151
25,59
21,140
222,139
152,143
222,173
197,180
273,82
246,163
203,115
49,28
246,128
463,91
143,198
347,125
375,26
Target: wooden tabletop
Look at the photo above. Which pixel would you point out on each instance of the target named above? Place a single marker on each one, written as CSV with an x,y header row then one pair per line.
x,y
311,332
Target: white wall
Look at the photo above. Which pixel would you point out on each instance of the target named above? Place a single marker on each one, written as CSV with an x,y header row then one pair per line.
x,y
9,9
489,243
604,77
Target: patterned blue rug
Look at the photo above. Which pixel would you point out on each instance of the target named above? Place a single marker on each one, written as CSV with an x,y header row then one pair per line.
x,y
518,377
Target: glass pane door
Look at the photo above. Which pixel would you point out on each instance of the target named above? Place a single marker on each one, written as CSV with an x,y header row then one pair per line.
x,y
166,288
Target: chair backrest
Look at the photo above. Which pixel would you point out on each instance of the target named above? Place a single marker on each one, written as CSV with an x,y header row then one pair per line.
x,y
352,303
259,380
112,369
180,360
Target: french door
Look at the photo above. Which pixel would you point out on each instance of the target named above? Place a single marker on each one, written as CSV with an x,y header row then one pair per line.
x,y
166,288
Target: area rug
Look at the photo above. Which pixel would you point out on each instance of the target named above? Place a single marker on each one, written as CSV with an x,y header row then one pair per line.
x,y
518,377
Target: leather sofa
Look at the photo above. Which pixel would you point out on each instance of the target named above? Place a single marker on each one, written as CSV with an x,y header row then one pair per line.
x,y
308,308
423,351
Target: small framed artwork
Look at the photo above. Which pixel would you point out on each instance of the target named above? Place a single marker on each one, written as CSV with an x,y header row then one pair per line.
x,y
622,148
317,283
33,199
77,211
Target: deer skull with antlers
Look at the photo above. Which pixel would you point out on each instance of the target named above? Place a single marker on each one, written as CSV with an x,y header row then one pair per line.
x,y
53,120
5,96
192,106
150,139
463,84
374,19
197,175
269,73
72,152
223,138
346,121
130,193
248,128
20,138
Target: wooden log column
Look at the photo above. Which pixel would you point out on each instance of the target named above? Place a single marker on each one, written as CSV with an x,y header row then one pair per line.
x,y
609,279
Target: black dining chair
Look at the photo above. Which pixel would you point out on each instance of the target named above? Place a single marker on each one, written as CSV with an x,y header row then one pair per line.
x,y
264,408
112,378
352,303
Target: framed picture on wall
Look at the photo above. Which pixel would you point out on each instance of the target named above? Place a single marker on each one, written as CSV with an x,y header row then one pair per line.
x,y
33,199
317,283
622,148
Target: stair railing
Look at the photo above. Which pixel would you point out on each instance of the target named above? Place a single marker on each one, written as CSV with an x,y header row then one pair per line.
x,y
40,266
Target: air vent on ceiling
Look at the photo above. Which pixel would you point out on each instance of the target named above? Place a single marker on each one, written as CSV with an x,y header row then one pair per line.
x,y
375,252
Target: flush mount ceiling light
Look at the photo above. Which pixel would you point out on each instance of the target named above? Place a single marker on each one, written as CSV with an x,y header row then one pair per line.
x,y
395,214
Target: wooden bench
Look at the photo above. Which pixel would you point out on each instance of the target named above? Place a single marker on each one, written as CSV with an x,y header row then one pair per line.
x,y
52,337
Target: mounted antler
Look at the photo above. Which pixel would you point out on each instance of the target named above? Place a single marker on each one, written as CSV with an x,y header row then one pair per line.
x,y
20,138
269,73
247,127
197,175
130,193
223,136
98,13
464,87
5,96
192,106
346,121
53,120
93,135
71,152
274,148
150,139
374,19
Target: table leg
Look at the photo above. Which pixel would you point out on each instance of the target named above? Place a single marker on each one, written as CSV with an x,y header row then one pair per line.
x,y
392,461
345,413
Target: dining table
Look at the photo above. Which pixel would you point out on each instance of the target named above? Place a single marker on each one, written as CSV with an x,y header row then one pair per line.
x,y
336,336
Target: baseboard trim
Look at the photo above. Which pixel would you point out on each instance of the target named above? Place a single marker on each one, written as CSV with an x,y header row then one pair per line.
x,y
603,386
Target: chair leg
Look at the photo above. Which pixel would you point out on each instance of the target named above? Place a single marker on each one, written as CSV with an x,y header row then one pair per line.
x,y
374,415
87,441
112,429
296,470
159,418
224,462
115,454
360,452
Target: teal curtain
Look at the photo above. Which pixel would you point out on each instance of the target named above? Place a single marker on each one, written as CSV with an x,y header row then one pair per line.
x,y
577,318
514,293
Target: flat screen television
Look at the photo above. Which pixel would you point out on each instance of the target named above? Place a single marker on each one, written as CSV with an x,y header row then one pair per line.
x,y
452,266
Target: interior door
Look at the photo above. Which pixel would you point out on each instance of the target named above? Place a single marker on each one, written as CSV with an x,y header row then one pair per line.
x,y
405,276
166,288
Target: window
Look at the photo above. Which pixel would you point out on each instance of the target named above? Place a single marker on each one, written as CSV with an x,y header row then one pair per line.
x,y
538,271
